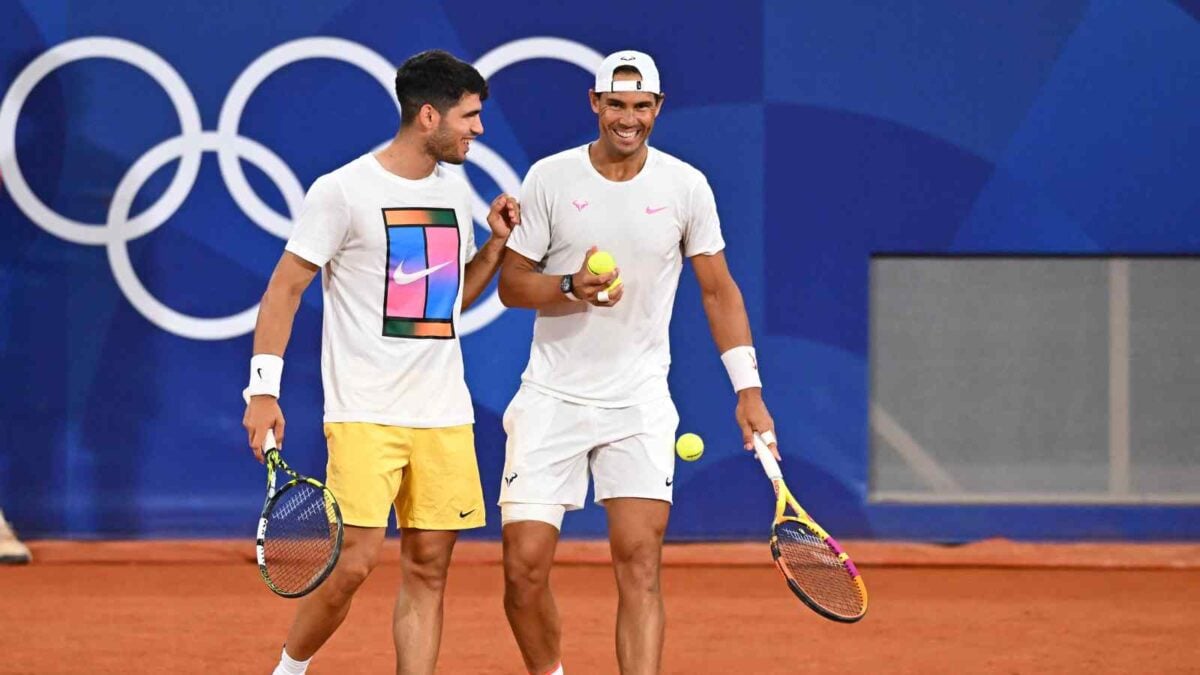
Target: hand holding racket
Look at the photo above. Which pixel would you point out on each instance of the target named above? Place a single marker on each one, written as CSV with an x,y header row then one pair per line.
x,y
816,568
299,532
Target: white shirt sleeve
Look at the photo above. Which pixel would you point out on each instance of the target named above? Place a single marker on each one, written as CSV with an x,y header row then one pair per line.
x,y
323,223
702,232
532,237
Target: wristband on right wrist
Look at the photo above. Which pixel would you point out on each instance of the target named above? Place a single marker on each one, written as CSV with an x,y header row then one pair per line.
x,y
266,371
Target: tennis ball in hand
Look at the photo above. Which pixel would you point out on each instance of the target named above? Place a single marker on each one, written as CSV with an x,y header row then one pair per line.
x,y
689,447
602,262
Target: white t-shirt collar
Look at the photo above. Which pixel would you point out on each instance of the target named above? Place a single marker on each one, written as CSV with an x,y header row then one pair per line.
x,y
378,168
651,160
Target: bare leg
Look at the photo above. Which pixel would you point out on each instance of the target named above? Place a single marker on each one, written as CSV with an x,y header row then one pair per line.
x,y
528,555
321,612
635,534
417,622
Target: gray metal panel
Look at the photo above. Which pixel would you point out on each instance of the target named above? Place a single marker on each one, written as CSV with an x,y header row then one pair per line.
x,y
1165,375
997,369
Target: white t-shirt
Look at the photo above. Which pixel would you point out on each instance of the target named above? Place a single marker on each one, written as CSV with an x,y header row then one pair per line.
x,y
612,356
392,253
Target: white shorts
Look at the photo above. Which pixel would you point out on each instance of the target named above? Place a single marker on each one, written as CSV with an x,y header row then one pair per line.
x,y
553,445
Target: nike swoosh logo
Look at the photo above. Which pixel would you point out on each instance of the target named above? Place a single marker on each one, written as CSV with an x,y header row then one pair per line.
x,y
464,515
259,373
401,277
650,211
669,481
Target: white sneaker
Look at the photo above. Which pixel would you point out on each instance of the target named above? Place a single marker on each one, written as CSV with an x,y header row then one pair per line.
x,y
12,551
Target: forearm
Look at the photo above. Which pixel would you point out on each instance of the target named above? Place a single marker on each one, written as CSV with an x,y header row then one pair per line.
x,y
731,328
275,317
727,317
530,289
481,269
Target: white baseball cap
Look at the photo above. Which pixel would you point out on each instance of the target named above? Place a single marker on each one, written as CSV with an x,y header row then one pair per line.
x,y
644,64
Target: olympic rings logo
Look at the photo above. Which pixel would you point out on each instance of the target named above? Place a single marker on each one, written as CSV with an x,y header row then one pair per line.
x,y
231,147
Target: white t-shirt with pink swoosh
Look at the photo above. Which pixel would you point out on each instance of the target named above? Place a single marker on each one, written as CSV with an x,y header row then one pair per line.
x,y
612,356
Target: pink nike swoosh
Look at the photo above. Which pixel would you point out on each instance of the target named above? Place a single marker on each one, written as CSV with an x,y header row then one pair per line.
x,y
650,211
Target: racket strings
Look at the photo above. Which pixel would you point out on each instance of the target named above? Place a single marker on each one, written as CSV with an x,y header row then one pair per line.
x,y
300,537
818,571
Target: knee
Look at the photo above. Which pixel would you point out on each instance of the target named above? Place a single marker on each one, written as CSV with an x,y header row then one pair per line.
x,y
524,578
350,573
428,572
637,569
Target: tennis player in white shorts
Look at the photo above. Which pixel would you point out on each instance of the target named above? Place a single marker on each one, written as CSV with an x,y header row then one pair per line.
x,y
594,399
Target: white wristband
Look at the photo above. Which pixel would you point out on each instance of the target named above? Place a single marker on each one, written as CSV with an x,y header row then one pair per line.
x,y
742,366
266,370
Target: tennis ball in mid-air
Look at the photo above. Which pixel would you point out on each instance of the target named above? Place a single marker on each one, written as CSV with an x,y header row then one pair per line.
x,y
602,262
689,447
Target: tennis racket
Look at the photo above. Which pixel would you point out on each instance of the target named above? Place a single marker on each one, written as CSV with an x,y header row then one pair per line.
x,y
299,532
816,568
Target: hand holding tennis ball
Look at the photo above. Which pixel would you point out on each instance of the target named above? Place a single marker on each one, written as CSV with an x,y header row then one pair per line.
x,y
689,447
601,264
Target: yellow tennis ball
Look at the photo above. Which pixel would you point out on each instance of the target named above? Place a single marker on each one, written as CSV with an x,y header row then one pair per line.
x,y
689,447
601,262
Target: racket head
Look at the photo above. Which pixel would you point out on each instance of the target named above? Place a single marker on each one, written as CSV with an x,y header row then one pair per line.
x,y
299,537
817,570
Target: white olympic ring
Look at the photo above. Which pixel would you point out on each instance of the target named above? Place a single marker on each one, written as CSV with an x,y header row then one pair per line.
x,y
118,215
111,48
230,147
239,94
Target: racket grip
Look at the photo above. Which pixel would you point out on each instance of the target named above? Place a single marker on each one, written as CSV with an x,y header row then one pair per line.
x,y
765,458
269,442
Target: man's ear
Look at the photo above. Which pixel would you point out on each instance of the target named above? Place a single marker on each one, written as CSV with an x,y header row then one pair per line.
x,y
428,117
594,99
662,98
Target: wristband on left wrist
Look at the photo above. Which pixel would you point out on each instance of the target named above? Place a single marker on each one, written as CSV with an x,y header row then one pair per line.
x,y
741,363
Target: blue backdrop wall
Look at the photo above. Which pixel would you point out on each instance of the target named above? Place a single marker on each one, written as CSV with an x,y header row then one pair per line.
x,y
152,153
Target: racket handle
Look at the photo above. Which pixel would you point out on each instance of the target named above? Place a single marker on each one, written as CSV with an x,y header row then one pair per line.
x,y
269,443
765,458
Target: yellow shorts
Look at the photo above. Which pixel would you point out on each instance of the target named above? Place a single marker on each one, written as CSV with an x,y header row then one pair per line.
x,y
428,475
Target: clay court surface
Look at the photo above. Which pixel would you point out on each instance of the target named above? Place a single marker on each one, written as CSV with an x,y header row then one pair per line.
x,y
994,607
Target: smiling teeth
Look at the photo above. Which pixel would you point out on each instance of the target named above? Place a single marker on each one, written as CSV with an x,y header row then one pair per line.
x,y
627,134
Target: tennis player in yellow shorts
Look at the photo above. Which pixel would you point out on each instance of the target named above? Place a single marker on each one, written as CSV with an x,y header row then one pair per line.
x,y
393,235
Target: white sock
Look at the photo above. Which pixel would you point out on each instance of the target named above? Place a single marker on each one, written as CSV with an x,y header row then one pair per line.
x,y
558,670
289,666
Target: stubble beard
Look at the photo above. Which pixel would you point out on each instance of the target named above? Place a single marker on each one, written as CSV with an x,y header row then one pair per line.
x,y
443,147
